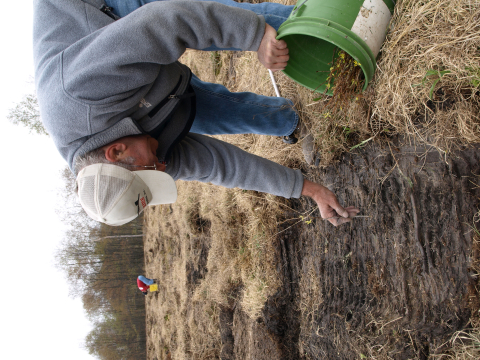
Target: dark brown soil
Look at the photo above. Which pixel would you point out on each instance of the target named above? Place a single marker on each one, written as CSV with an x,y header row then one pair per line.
x,y
398,283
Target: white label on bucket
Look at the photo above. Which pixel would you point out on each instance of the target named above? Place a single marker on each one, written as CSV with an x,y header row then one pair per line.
x,y
371,24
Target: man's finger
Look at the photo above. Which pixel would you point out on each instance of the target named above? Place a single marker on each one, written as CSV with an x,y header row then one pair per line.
x,y
280,44
337,221
339,209
278,48
352,212
279,57
276,65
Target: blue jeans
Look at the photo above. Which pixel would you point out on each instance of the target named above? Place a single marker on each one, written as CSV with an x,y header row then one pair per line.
x,y
274,14
145,280
220,111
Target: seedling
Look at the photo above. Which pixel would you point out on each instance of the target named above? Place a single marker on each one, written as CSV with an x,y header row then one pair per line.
x,y
431,73
362,144
475,74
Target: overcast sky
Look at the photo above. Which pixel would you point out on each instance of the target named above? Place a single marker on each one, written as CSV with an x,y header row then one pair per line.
x,y
38,318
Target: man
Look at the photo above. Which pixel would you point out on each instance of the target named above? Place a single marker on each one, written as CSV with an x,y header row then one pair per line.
x,y
111,91
144,283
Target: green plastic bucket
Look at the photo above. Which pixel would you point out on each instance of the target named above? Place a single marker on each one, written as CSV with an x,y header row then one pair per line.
x,y
315,29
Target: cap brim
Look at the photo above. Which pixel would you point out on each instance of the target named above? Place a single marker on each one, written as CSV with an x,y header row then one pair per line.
x,y
161,185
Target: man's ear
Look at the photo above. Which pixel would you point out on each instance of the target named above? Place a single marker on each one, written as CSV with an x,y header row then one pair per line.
x,y
115,152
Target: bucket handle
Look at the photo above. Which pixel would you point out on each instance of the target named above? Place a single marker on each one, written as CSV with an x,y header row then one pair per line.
x,y
298,7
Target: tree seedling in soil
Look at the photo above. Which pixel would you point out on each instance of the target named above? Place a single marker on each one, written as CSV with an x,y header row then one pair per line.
x,y
475,74
362,144
430,74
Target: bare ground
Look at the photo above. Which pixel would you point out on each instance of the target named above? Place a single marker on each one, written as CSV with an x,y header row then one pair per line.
x,y
396,284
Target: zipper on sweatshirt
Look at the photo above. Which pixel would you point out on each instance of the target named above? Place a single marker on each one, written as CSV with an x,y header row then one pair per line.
x,y
181,96
108,10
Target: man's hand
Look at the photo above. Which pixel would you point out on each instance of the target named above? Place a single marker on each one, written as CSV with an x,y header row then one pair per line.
x,y
272,53
328,204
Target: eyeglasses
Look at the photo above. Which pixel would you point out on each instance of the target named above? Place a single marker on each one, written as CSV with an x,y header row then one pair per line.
x,y
154,166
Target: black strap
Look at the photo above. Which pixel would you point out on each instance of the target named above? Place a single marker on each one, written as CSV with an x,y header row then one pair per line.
x,y
189,94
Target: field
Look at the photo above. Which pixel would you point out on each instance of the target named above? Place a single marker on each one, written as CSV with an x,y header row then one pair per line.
x,y
244,275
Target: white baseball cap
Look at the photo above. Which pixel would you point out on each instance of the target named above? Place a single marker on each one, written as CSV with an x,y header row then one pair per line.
x,y
114,195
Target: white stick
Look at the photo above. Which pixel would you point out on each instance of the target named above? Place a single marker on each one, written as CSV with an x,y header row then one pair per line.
x,y
339,217
274,83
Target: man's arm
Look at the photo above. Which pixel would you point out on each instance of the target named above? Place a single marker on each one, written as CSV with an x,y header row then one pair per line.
x,y
207,159
155,34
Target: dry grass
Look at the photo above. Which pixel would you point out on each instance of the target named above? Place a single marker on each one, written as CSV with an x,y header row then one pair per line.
x,y
176,328
241,248
465,345
429,37
241,264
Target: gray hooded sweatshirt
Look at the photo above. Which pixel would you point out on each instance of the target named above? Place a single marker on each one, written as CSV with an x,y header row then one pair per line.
x,y
97,80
